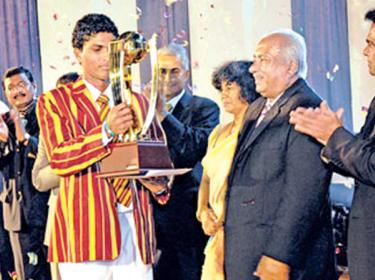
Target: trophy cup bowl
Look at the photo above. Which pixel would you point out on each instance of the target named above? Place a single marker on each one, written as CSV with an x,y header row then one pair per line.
x,y
136,155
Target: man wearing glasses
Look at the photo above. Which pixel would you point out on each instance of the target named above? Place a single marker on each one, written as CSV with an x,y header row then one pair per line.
x,y
24,208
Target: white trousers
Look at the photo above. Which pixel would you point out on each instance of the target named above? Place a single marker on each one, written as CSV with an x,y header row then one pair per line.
x,y
128,266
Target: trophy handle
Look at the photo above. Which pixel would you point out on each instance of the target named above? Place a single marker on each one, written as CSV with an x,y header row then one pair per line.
x,y
154,84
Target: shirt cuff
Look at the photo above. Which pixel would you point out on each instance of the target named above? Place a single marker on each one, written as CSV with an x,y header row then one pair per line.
x,y
105,138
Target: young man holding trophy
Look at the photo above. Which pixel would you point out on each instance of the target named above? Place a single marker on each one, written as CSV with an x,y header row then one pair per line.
x,y
103,227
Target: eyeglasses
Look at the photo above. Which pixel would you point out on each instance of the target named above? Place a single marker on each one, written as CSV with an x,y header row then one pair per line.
x,y
174,72
18,87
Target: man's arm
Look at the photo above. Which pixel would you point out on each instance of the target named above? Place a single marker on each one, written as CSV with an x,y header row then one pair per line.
x,y
68,154
352,155
346,154
42,175
188,143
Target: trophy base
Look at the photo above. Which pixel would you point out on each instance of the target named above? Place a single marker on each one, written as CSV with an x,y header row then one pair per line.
x,y
130,158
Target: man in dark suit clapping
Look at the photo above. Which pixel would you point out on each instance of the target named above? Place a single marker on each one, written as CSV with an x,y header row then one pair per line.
x,y
187,121
278,223
352,156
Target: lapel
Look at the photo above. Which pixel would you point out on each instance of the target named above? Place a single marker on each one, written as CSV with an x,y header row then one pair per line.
x,y
250,133
87,113
368,129
183,107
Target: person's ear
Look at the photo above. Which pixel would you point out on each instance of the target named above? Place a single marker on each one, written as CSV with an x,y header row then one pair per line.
x,y
78,54
293,68
35,87
186,75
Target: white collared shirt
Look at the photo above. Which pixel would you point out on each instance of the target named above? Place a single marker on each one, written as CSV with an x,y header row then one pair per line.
x,y
95,93
173,102
269,103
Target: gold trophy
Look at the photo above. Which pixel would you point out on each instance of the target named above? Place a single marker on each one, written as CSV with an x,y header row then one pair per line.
x,y
135,155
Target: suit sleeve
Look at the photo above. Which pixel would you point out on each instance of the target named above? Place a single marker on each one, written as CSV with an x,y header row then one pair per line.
x,y
188,142
351,155
42,175
304,199
68,154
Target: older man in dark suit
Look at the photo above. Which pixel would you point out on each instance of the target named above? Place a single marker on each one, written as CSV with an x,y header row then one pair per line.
x,y
278,223
187,121
351,156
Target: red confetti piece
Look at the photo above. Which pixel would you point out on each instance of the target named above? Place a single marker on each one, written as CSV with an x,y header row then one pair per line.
x,y
66,57
181,34
55,16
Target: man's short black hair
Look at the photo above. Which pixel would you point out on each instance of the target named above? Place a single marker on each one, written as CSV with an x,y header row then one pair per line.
x,y
67,78
89,25
370,15
238,72
17,70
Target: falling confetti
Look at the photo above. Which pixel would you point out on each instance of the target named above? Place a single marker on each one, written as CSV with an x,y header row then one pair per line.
x,y
364,109
66,57
181,34
167,14
138,14
335,68
52,67
212,6
55,16
73,63
329,76
109,2
195,64
170,2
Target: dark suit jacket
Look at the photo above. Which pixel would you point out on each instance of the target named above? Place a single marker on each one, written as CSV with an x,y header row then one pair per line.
x,y
16,162
277,200
354,156
187,130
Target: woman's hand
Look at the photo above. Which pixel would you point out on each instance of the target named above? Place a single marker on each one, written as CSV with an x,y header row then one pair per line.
x,y
210,222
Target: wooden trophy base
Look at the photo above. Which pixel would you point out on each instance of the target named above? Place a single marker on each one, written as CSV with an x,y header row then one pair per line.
x,y
135,158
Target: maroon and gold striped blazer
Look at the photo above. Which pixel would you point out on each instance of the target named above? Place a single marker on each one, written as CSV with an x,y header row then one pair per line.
x,y
86,226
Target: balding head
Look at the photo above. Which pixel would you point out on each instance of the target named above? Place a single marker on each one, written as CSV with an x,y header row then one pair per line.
x,y
280,58
292,47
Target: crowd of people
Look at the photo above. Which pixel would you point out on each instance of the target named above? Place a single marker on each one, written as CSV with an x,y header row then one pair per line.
x,y
255,204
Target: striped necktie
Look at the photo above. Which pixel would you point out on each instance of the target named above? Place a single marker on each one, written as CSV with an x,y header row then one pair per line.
x,y
102,101
120,185
169,107
266,108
